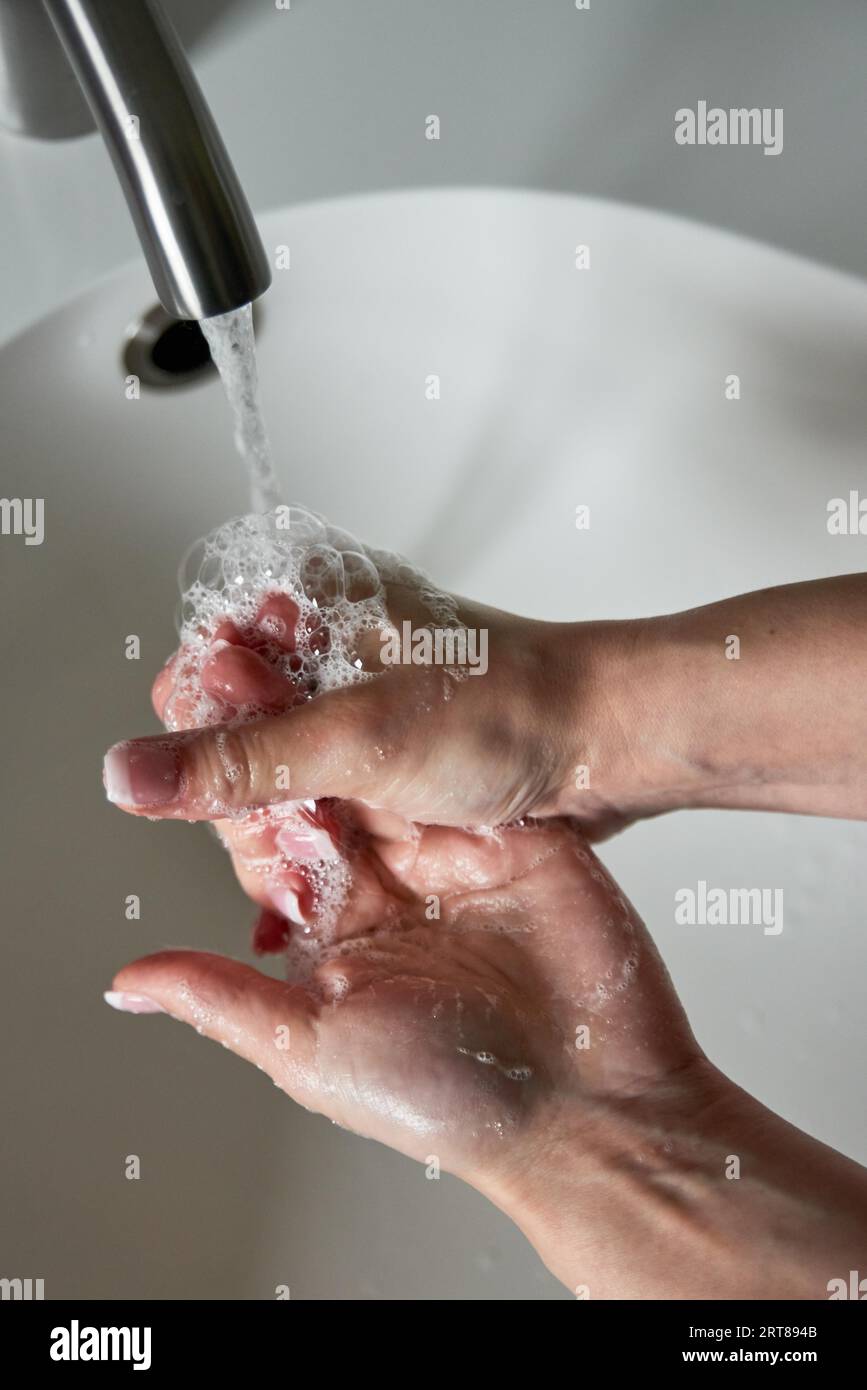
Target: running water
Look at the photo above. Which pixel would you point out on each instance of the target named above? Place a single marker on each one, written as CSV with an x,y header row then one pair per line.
x,y
233,348
250,578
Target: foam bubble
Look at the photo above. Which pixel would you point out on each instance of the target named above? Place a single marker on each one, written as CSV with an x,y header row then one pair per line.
x,y
516,1072
338,587
337,584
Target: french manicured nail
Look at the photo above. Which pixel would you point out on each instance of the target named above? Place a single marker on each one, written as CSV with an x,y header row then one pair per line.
x,y
132,1003
288,902
304,839
141,774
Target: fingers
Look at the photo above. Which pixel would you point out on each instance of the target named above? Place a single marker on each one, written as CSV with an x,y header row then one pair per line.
x,y
237,672
334,746
162,687
267,851
223,770
275,854
277,620
298,864
238,676
271,1024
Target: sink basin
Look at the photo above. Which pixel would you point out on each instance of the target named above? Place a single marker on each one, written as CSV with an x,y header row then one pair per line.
x,y
558,387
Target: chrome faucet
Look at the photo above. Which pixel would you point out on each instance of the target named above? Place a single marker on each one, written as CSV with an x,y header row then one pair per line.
x,y
193,221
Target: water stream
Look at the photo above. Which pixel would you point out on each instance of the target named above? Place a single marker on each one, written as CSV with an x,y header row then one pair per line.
x,y
233,348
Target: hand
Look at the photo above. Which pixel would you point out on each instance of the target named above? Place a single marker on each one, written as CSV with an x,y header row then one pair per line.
x,y
486,749
614,1164
475,988
654,712
483,957
530,1004
529,1040
378,741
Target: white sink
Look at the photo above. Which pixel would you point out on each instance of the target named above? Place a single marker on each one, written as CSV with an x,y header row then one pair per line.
x,y
559,387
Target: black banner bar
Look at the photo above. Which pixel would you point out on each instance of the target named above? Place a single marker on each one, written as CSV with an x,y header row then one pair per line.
x,y
158,1337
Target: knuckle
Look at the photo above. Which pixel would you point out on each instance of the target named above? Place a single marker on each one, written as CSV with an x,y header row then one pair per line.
x,y
224,775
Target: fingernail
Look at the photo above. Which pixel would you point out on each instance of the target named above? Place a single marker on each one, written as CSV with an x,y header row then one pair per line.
x,y
304,839
141,774
287,901
132,1003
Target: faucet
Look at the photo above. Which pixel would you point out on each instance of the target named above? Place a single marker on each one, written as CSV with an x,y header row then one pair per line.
x,y
194,224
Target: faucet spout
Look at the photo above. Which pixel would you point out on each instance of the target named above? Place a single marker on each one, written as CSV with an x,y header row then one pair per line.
x,y
193,221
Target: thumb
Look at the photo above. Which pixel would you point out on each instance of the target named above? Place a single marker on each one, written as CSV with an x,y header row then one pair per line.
x,y
333,746
267,1022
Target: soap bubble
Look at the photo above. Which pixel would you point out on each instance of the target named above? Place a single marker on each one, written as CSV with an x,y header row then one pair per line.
x,y
252,575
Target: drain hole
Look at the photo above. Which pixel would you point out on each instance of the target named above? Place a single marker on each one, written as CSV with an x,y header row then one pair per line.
x,y
164,351
181,349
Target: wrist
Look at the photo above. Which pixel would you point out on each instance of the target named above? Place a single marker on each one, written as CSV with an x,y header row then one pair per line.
x,y
636,1198
602,1193
651,711
627,717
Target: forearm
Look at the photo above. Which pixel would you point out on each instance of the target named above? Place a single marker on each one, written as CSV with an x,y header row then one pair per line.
x,y
757,702
700,1192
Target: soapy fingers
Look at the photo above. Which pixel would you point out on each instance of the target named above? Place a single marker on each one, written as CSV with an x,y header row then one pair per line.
x,y
331,747
411,740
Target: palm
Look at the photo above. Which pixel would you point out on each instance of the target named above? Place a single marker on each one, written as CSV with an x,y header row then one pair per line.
x,y
443,1036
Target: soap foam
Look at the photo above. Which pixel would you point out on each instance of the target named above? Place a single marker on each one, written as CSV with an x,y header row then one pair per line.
x,y
338,586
